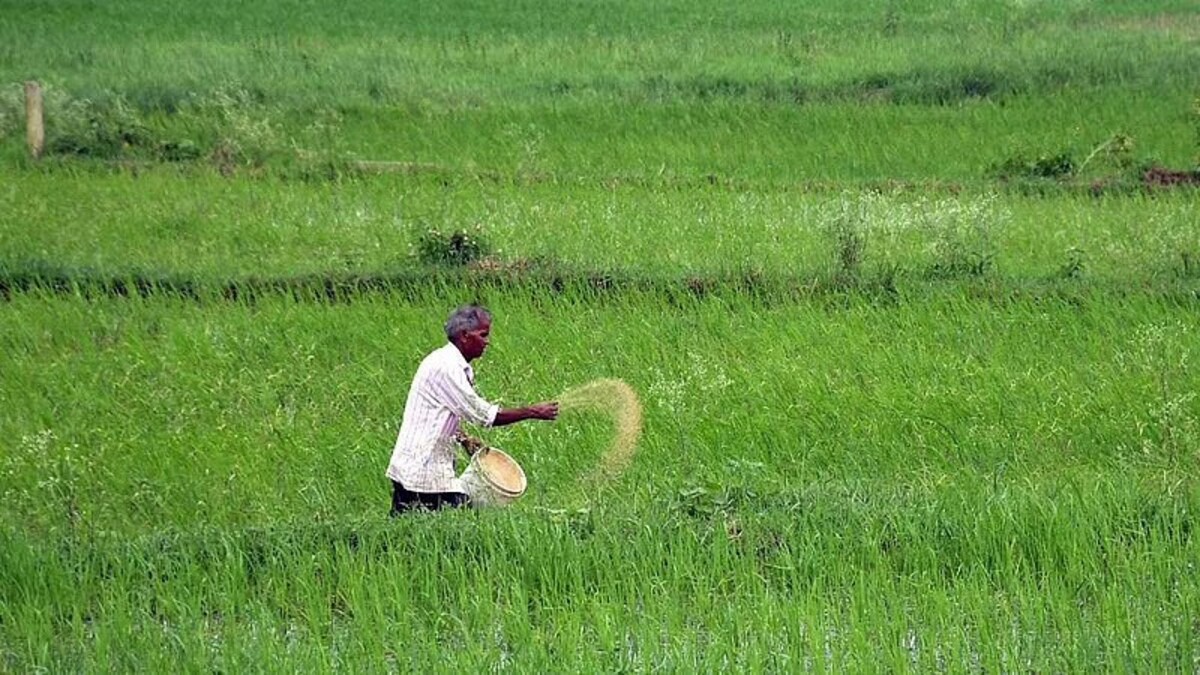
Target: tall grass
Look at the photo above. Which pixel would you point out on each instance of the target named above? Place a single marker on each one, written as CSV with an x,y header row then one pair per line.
x,y
967,578
959,434
127,414
948,483
763,90
166,223
464,53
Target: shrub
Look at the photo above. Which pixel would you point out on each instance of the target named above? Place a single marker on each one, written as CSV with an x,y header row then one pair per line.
x,y
457,247
179,151
1074,266
1060,165
106,128
12,108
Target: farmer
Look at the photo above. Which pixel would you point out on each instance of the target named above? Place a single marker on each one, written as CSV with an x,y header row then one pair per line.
x,y
442,395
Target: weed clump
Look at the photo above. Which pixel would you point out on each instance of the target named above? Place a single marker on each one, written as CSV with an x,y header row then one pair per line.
x,y
958,236
12,104
846,226
105,128
1042,166
453,248
962,236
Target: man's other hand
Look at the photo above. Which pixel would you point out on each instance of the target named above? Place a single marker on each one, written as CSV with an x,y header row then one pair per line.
x,y
471,444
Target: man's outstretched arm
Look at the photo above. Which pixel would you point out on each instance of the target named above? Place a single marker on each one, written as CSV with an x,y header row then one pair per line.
x,y
539,411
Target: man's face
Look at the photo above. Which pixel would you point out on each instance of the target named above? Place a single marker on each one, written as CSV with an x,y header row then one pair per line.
x,y
473,342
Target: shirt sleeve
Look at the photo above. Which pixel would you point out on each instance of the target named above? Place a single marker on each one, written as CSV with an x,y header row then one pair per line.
x,y
452,390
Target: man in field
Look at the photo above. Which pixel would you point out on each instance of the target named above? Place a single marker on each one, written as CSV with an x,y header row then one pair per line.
x,y
441,396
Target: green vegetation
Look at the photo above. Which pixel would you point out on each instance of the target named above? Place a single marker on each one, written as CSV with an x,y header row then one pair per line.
x,y
949,476
908,290
761,91
164,223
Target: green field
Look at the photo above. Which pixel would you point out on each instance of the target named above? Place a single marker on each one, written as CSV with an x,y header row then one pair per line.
x,y
912,322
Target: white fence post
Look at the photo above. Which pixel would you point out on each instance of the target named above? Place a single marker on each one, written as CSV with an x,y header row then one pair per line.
x,y
35,128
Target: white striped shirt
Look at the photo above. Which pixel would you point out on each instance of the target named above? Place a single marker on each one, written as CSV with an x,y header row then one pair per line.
x,y
442,394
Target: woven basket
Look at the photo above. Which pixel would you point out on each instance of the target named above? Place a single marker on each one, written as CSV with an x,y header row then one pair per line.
x,y
493,478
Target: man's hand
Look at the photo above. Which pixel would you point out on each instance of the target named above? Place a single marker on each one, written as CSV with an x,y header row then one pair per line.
x,y
471,444
544,411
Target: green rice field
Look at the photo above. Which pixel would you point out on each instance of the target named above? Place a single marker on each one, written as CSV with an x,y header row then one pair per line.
x,y
909,293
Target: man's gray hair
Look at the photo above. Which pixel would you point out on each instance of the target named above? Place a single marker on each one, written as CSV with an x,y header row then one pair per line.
x,y
466,318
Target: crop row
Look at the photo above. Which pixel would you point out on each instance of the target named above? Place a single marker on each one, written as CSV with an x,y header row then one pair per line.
x,y
202,226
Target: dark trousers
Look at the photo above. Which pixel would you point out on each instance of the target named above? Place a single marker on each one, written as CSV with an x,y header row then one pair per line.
x,y
404,499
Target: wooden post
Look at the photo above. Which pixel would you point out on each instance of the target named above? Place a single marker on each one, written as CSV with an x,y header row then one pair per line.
x,y
35,129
